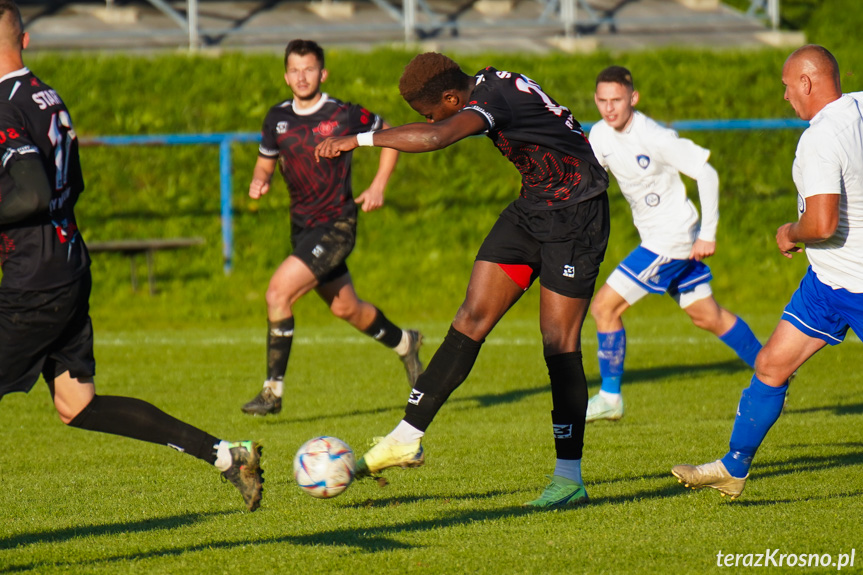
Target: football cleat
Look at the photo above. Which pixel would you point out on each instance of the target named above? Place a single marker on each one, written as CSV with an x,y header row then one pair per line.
x,y
265,402
245,472
386,453
713,474
411,360
599,408
561,492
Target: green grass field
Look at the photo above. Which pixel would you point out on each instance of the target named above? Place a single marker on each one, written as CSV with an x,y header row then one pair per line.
x,y
77,502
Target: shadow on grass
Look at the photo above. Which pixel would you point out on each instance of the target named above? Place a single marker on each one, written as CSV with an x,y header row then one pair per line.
x,y
403,500
68,533
366,539
636,376
633,377
848,409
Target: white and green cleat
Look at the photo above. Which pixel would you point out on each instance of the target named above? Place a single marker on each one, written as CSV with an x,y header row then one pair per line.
x,y
599,408
387,453
561,492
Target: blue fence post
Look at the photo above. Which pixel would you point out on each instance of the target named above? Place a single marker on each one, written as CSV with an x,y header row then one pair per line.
x,y
227,184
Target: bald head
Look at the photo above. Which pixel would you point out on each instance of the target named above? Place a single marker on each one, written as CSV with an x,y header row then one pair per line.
x,y
811,79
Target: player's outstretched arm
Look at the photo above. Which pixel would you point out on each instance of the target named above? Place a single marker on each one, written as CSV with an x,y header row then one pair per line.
x,y
413,138
373,197
261,176
816,224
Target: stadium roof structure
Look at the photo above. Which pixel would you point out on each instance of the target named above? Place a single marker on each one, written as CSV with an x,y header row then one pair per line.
x,y
466,25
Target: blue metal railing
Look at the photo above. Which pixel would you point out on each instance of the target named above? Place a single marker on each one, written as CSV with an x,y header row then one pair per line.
x,y
226,139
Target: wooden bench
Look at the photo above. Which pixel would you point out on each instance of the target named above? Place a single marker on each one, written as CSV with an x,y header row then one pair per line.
x,y
131,248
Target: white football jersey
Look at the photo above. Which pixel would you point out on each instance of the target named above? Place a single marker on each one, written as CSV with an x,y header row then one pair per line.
x,y
647,160
829,160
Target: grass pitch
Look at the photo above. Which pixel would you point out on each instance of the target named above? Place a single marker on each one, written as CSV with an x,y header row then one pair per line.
x,y
80,502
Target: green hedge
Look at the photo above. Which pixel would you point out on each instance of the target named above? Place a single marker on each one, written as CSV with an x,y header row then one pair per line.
x,y
414,256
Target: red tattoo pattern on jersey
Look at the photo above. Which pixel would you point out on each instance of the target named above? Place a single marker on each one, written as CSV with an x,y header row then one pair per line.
x,y
7,246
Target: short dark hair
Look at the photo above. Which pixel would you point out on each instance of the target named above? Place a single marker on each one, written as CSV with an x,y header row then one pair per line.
x,y
12,33
301,48
618,75
428,76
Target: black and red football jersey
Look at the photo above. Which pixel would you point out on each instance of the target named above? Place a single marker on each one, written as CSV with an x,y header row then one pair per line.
x,y
45,250
542,138
320,192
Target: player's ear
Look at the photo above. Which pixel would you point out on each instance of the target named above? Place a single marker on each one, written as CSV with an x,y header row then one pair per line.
x,y
452,99
633,100
324,74
25,40
805,84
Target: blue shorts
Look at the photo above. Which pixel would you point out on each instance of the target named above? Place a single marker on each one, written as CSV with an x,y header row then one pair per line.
x,y
822,312
643,272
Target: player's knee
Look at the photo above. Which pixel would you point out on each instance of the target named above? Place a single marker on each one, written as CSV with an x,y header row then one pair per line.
x,y
68,413
345,311
557,340
603,314
472,321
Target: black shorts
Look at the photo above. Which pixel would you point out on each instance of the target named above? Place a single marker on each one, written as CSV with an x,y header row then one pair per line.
x,y
564,247
45,332
325,248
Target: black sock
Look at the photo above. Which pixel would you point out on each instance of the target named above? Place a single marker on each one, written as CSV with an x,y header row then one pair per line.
x,y
280,335
447,369
138,419
384,331
569,401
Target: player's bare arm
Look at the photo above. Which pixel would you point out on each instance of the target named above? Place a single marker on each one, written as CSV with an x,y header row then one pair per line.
x,y
261,176
412,138
373,197
816,224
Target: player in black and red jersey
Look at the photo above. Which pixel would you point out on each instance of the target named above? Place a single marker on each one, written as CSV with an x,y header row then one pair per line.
x,y
45,323
557,230
323,217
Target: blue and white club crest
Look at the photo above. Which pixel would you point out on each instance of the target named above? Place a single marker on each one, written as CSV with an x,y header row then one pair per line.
x,y
643,161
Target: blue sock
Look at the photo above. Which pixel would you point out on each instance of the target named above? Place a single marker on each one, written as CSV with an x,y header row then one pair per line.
x,y
759,408
612,350
744,343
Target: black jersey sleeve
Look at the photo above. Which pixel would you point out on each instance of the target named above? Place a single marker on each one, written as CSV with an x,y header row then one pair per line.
x,y
24,186
269,147
24,191
490,101
361,120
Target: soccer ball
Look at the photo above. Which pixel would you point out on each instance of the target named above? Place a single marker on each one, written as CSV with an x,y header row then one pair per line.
x,y
324,467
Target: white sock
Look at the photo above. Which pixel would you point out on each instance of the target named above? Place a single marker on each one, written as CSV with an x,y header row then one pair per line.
x,y
276,385
569,468
223,456
406,433
611,398
404,345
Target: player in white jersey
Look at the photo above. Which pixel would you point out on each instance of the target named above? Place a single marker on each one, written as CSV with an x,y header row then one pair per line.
x,y
828,173
647,160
